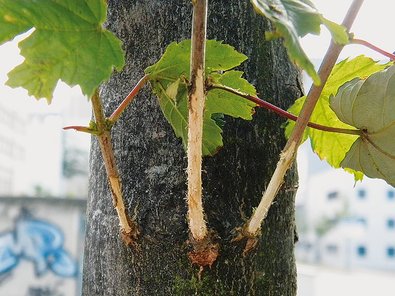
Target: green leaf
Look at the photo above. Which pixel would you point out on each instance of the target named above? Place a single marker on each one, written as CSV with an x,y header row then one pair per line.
x,y
174,63
333,147
296,18
169,80
369,105
68,43
219,101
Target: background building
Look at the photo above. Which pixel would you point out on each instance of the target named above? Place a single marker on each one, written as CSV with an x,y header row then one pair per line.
x,y
343,223
12,150
39,158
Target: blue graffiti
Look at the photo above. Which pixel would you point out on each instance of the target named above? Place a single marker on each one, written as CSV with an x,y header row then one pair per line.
x,y
39,242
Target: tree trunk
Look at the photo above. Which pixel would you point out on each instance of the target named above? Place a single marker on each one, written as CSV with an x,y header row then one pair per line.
x,y
152,164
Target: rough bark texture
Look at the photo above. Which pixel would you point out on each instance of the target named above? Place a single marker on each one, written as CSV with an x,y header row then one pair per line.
x,y
152,164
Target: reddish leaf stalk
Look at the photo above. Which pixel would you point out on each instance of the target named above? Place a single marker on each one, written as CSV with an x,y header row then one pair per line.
x,y
252,227
129,98
84,129
129,229
285,114
373,47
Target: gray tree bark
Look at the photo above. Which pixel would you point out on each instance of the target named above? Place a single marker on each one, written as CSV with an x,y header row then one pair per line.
x,y
152,164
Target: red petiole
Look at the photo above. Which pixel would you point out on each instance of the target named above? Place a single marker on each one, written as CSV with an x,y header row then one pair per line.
x,y
283,113
373,47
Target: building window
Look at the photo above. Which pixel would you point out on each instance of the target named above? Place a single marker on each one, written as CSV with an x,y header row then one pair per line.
x,y
332,249
390,194
391,223
306,246
362,220
361,251
391,252
333,195
361,194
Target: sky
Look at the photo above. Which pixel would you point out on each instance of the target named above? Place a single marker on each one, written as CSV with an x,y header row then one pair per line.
x,y
374,23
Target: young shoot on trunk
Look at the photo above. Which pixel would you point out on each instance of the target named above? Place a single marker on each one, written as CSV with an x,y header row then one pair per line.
x,y
252,227
129,229
204,252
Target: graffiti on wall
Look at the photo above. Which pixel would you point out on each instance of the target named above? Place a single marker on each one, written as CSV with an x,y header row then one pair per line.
x,y
39,242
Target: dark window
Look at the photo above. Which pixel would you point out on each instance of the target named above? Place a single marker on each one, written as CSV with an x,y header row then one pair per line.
x,y
391,252
362,221
361,251
333,195
306,246
390,194
332,249
391,223
361,193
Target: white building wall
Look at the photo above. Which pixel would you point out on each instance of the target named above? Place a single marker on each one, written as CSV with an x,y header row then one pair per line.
x,y
363,238
44,153
12,151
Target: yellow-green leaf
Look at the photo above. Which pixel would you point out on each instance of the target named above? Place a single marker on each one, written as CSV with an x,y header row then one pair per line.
x,y
369,105
332,147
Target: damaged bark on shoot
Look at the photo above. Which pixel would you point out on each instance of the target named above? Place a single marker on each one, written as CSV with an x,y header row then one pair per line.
x,y
204,251
252,227
129,229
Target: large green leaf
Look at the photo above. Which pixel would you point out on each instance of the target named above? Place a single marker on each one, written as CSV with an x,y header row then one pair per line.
x,y
369,105
294,19
68,43
333,147
169,79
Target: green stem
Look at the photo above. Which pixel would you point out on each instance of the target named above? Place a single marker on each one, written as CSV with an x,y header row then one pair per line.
x,y
373,47
283,113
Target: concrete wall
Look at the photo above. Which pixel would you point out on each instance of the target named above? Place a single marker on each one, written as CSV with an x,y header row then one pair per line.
x,y
41,246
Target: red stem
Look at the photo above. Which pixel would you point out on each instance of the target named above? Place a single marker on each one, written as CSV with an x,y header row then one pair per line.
x,y
373,47
77,128
129,98
283,113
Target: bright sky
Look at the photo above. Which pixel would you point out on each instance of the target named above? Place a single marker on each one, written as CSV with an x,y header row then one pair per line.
x,y
373,24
